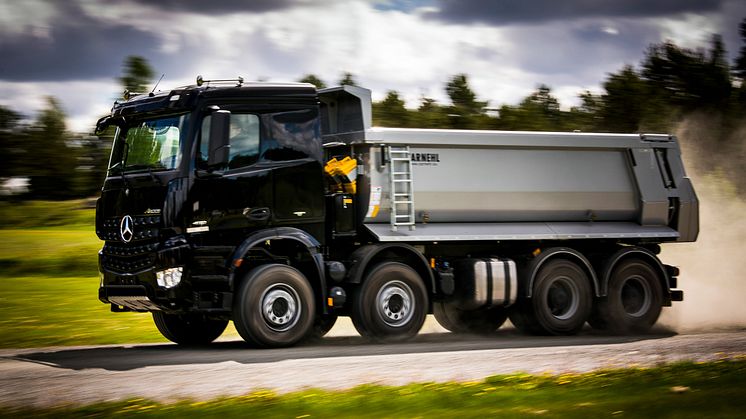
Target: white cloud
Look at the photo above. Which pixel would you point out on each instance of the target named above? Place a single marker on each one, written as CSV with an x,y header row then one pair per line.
x,y
21,16
394,48
82,101
690,31
610,30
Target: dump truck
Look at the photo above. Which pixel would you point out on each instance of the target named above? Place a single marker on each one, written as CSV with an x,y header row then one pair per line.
x,y
280,207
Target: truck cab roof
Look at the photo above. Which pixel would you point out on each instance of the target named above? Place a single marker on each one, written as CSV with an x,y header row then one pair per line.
x,y
187,96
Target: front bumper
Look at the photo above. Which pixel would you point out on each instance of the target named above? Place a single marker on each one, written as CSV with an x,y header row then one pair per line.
x,y
140,291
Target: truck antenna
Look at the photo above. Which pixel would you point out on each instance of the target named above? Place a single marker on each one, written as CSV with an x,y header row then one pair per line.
x,y
156,85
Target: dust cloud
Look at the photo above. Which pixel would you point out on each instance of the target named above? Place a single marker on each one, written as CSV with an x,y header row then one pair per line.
x,y
713,270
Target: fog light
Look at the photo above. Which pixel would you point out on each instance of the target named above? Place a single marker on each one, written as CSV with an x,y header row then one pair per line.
x,y
169,278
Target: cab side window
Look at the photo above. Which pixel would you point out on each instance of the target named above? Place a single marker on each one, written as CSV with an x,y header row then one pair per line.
x,y
245,135
294,135
244,140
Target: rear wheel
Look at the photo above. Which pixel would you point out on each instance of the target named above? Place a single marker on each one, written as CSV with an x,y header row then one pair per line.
x,y
634,300
274,306
391,304
188,329
561,301
482,321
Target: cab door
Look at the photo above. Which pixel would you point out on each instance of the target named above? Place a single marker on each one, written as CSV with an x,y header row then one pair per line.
x,y
237,198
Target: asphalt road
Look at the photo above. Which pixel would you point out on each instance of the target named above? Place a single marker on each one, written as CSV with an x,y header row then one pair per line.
x,y
58,376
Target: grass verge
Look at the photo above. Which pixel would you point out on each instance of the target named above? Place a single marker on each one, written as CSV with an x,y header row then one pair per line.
x,y
40,311
79,214
56,239
683,390
53,252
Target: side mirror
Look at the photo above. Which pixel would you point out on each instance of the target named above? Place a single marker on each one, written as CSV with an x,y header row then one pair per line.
x,y
219,138
106,122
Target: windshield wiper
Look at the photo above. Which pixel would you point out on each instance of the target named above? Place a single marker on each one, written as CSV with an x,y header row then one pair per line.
x,y
154,177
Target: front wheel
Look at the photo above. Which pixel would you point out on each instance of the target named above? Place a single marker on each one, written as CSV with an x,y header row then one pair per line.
x,y
391,304
634,300
188,329
274,306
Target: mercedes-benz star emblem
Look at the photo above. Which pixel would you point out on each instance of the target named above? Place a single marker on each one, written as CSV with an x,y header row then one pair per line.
x,y
125,229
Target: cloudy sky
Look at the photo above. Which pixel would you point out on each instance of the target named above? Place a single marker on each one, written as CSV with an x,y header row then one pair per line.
x,y
74,49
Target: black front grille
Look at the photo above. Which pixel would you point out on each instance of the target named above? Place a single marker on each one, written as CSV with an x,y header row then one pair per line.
x,y
127,264
144,227
136,255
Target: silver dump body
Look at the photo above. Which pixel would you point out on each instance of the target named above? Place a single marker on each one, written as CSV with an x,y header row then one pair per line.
x,y
499,185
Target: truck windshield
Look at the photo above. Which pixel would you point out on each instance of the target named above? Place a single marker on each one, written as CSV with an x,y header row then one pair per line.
x,y
150,144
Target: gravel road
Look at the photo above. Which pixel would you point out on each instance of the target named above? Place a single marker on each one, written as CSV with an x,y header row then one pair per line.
x,y
63,376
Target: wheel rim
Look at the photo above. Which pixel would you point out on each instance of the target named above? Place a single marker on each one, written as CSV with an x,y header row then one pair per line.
x,y
395,303
562,298
635,296
280,307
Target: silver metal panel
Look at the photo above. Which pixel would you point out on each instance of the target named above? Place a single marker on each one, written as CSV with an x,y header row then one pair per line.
x,y
495,177
513,282
430,137
498,282
653,193
520,231
491,184
480,284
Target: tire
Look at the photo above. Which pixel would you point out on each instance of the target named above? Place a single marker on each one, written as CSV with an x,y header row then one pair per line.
x,y
274,306
634,300
188,329
391,304
322,325
521,314
483,321
561,302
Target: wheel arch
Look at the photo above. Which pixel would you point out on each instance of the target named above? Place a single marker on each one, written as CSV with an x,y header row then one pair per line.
x,y
366,257
314,273
632,253
559,253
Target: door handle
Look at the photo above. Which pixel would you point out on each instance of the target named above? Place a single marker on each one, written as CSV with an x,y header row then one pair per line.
x,y
258,214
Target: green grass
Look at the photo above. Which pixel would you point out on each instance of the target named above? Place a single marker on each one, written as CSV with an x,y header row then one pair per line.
x,y
76,214
683,390
39,311
42,311
49,281
53,252
55,239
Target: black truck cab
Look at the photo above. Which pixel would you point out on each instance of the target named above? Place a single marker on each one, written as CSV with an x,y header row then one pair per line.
x,y
193,173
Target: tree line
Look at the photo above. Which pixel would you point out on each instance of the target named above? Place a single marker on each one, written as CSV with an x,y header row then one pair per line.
x,y
670,85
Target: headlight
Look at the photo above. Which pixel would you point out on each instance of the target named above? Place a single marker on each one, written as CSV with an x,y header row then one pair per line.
x,y
169,278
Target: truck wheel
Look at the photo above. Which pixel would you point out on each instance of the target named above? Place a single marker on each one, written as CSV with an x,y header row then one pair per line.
x,y
477,321
391,304
188,329
561,301
322,325
274,306
634,300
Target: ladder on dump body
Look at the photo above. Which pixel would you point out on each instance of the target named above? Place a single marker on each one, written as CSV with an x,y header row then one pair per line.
x,y
402,187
